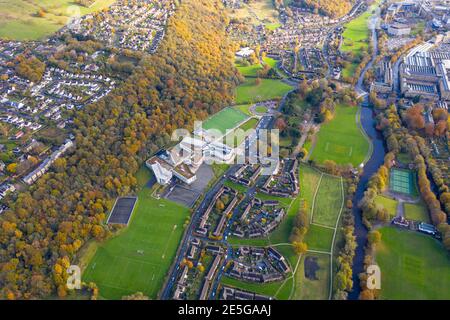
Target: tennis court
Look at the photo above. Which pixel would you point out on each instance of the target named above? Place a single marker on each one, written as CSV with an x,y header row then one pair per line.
x,y
401,181
122,210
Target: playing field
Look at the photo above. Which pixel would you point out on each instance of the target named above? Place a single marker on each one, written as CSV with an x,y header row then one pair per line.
x,y
341,140
413,266
401,181
268,89
319,238
328,202
139,258
19,20
236,137
225,119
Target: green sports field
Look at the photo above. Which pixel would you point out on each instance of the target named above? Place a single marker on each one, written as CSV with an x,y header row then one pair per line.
x,y
18,19
225,119
413,266
341,140
319,238
268,89
234,138
139,258
328,202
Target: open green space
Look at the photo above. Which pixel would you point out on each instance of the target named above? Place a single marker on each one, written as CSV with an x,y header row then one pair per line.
x,y
272,26
274,289
328,202
224,120
267,89
236,137
248,70
309,180
416,212
19,19
341,140
261,109
389,204
356,37
319,238
244,108
413,266
309,288
139,257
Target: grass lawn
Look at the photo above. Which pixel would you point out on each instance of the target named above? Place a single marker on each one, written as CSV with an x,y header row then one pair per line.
x,y
319,238
356,38
248,71
341,140
417,212
328,201
268,89
225,119
309,179
244,108
313,289
272,26
20,22
119,268
389,204
413,266
269,289
261,109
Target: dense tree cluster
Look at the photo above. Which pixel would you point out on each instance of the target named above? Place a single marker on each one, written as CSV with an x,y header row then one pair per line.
x,y
343,282
331,8
190,76
30,68
299,229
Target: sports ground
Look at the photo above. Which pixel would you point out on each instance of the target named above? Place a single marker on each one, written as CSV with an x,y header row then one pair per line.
x,y
139,257
413,266
18,19
341,140
402,181
225,119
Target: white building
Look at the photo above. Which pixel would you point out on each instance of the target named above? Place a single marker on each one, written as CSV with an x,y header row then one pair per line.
x,y
184,160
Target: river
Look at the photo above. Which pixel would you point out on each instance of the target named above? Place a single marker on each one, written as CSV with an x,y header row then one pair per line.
x,y
376,160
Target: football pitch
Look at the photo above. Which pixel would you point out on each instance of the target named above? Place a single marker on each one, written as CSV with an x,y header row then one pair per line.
x,y
341,140
413,266
139,257
225,119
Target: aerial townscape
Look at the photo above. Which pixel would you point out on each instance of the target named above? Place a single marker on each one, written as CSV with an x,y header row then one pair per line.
x,y
224,150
